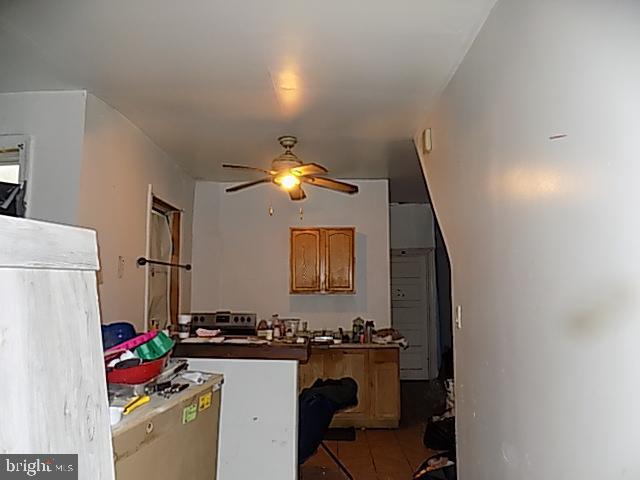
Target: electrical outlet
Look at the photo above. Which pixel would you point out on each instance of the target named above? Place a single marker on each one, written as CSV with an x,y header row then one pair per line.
x,y
458,317
120,266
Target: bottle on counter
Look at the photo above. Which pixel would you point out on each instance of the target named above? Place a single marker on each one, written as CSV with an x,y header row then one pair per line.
x,y
277,327
264,330
358,330
368,331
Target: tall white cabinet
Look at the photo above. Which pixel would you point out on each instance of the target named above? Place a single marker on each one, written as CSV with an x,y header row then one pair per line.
x,y
54,397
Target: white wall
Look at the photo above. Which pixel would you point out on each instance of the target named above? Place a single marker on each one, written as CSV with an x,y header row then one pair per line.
x,y
241,254
411,226
55,121
543,236
120,161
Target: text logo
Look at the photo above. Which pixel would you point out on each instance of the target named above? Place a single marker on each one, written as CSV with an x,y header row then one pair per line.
x,y
45,467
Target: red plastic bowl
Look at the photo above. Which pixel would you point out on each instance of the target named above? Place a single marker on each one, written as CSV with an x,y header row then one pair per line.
x,y
139,374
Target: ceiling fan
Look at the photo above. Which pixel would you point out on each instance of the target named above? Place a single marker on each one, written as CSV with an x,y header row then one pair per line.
x,y
288,172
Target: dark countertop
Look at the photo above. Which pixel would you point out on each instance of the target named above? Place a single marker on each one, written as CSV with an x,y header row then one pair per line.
x,y
272,351
355,345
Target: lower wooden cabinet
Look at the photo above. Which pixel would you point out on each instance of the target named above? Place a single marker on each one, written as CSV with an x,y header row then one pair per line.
x,y
171,439
375,370
385,383
352,363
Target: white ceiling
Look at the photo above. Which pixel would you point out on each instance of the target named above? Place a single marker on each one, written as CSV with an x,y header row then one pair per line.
x,y
217,81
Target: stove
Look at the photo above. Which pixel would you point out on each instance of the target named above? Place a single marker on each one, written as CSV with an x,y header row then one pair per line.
x,y
230,323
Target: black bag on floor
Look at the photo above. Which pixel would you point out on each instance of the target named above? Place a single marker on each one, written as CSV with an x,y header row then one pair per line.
x,y
316,407
441,434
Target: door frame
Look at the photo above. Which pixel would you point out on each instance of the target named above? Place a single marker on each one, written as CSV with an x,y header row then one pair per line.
x,y
432,303
157,203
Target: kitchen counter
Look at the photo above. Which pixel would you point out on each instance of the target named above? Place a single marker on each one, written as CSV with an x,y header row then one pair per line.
x,y
271,351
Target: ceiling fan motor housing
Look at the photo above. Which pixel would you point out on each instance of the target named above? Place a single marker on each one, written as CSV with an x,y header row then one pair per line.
x,y
288,141
287,159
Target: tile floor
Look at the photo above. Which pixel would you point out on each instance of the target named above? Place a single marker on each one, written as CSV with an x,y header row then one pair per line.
x,y
374,455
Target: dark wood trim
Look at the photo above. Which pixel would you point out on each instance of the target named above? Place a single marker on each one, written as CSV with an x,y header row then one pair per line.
x,y
174,285
272,351
162,206
174,215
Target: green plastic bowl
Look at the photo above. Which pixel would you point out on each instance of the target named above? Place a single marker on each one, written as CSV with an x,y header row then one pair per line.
x,y
155,348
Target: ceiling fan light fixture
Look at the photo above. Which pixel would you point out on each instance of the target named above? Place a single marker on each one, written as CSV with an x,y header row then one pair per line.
x,y
287,181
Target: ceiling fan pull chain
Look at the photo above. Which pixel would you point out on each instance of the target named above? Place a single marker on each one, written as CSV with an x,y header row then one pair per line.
x,y
301,214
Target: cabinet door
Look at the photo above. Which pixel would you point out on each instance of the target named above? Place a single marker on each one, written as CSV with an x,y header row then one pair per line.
x,y
351,363
339,260
305,260
312,370
385,381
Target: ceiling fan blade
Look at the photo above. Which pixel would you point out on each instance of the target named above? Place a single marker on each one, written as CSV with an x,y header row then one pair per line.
x,y
296,193
331,184
309,169
242,186
245,167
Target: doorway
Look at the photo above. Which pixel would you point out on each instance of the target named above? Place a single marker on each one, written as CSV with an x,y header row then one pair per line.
x,y
162,292
414,311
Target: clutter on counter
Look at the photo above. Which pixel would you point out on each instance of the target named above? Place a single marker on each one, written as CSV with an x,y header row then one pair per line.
x,y
206,333
363,332
115,414
136,359
138,366
134,403
124,399
294,330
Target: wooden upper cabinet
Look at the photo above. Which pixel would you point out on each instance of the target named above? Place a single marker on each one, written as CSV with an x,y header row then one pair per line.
x,y
305,260
322,260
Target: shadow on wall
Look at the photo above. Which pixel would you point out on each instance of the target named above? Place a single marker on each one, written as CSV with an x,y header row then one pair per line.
x,y
339,303
443,287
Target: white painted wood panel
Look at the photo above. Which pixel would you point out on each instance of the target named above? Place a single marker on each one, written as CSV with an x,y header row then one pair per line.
x,y
258,418
33,244
54,396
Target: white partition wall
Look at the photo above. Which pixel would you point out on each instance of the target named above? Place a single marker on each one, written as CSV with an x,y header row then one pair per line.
x,y
258,417
54,398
